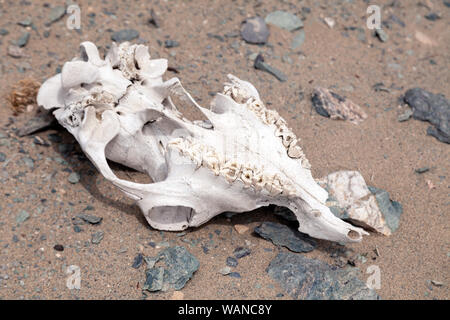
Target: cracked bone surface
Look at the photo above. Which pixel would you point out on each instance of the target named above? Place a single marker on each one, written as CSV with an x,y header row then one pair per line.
x,y
242,158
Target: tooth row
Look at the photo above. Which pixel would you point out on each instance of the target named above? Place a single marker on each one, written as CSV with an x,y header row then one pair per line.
x,y
250,175
269,117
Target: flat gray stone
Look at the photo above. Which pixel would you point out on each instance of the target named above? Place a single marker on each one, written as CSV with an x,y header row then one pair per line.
x,y
282,235
125,35
56,14
298,40
22,216
89,218
74,177
254,30
310,279
390,209
284,20
41,121
178,266
23,40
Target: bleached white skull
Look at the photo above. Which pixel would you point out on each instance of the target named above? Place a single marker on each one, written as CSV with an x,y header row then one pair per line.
x,y
243,158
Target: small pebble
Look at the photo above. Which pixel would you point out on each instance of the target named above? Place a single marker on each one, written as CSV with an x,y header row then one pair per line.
x,y
382,35
97,237
422,170
232,262
138,261
171,43
125,35
241,252
240,228
225,271
74,177
58,247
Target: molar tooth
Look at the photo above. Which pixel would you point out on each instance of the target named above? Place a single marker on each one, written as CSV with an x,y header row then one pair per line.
x,y
281,130
280,122
289,138
305,163
246,176
295,151
212,161
276,186
231,170
259,180
270,116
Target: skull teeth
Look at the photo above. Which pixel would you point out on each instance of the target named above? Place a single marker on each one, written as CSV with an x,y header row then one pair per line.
x,y
231,170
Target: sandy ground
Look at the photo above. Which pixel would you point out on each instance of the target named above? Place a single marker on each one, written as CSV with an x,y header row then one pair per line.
x,y
384,150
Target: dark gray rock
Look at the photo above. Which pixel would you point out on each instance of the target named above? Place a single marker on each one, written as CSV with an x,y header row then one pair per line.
x,y
2,157
232,262
390,209
318,105
432,16
235,275
58,247
154,279
284,20
422,170
89,218
154,19
178,267
23,40
241,252
138,261
171,43
434,108
382,35
282,235
125,35
261,65
254,30
310,279
3,32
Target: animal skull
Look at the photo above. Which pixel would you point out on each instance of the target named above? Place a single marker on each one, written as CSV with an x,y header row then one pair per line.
x,y
243,158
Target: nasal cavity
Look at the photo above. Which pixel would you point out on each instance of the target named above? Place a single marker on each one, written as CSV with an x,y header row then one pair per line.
x,y
353,235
